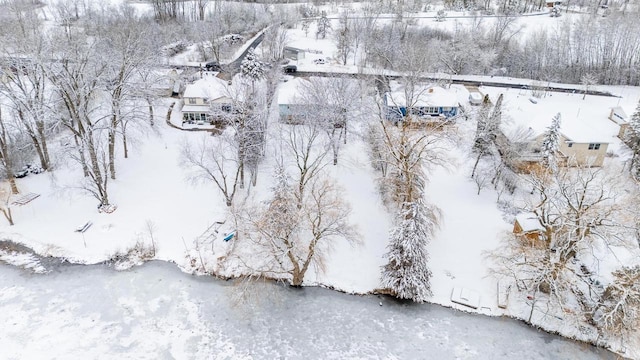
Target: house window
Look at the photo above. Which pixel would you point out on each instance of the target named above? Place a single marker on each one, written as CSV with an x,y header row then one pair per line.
x,y
569,144
594,146
192,101
226,108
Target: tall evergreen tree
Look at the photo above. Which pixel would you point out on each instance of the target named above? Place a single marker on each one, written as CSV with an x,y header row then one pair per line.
x,y
487,124
551,144
407,273
251,67
323,26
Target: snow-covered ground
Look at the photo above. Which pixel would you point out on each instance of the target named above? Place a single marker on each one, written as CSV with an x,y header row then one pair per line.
x,y
156,201
156,312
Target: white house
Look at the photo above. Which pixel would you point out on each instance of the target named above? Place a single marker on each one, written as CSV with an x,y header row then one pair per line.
x,y
295,106
203,97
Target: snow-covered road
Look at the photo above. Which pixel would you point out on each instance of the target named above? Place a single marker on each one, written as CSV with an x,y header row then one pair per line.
x,y
157,312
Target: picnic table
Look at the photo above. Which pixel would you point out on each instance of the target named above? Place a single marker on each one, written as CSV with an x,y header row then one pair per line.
x,y
25,199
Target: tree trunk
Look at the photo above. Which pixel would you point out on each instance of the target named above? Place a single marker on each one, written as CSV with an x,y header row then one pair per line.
x,y
123,128
96,172
34,138
36,145
124,145
112,147
475,166
7,215
241,174
150,112
297,279
43,144
83,159
6,156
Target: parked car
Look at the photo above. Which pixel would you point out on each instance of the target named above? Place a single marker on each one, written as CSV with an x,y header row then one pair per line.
x,y
319,61
32,169
212,66
20,174
289,69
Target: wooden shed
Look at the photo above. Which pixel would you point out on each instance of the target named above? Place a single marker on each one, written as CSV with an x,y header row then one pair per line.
x,y
528,228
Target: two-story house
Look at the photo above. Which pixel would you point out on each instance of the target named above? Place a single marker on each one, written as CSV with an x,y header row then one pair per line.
x,y
204,98
585,134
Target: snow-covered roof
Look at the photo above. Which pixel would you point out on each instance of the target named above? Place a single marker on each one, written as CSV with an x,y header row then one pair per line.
x,y
529,222
582,121
620,111
422,96
195,108
291,48
290,91
209,87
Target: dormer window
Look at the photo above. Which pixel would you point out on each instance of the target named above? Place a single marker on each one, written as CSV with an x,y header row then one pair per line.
x,y
192,101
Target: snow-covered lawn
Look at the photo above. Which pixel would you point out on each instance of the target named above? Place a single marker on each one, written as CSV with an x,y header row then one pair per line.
x,y
155,199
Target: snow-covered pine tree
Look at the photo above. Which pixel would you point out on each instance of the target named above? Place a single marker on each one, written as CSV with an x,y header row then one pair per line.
x,y
493,125
283,216
482,119
551,144
484,128
633,140
251,67
407,273
323,26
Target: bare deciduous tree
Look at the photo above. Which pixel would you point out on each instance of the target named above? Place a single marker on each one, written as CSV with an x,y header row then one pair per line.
x,y
578,210
294,237
216,160
618,313
7,154
77,83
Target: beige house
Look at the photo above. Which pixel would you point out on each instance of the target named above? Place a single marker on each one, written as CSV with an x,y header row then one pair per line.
x,y
577,153
586,134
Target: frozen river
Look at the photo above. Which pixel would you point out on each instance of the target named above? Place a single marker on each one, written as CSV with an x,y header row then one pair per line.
x,y
157,312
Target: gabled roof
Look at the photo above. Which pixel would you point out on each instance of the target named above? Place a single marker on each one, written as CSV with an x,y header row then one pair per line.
x,y
290,91
581,122
529,222
620,111
209,87
423,96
